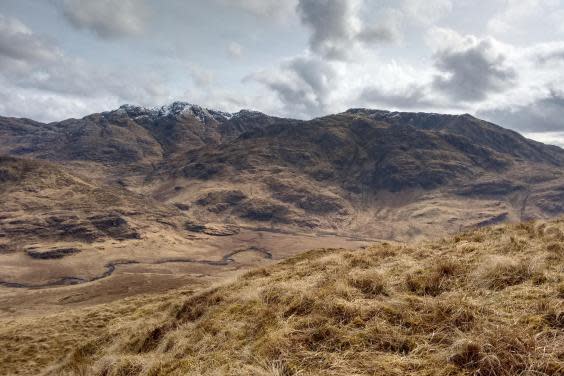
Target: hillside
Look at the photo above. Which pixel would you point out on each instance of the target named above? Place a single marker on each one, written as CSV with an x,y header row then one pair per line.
x,y
348,174
45,201
486,302
358,171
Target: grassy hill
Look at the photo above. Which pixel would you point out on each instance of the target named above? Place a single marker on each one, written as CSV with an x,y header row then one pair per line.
x,y
488,302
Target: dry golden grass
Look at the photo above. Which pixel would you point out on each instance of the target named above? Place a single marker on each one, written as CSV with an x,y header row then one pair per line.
x,y
486,303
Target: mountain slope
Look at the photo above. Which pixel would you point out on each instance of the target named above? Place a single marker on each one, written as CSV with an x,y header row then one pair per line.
x,y
42,201
350,173
487,302
363,168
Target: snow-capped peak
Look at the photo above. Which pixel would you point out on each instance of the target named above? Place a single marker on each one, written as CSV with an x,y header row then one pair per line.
x,y
176,109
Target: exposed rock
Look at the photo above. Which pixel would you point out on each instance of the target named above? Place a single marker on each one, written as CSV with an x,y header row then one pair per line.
x,y
7,248
498,219
114,226
305,198
229,197
490,188
181,206
52,254
201,171
212,229
263,210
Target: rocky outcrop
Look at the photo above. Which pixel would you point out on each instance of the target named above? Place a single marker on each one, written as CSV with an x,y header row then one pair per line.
x,y
52,254
69,227
212,229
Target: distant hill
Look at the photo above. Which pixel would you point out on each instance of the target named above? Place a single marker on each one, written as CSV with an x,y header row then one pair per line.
x,y
351,173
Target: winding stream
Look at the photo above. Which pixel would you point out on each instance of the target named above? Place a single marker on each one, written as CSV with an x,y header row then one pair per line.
x,y
112,266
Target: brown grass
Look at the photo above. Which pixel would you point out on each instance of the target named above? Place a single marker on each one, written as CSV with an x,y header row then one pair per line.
x,y
487,303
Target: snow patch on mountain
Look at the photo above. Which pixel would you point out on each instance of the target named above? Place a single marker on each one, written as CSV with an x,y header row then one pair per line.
x,y
177,109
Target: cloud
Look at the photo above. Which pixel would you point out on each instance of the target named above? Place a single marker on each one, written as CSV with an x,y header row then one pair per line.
x,y
47,106
302,84
545,53
518,18
107,18
549,138
426,12
273,9
203,78
337,29
235,50
543,115
20,47
36,72
470,68
410,97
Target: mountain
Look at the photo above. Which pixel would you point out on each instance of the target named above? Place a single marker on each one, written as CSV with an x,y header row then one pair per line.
x,y
350,173
140,201
486,302
131,136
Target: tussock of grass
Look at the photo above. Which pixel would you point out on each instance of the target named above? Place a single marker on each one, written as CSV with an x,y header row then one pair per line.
x,y
487,303
500,272
370,283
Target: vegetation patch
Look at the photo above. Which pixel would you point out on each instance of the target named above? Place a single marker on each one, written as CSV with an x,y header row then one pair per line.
x,y
427,309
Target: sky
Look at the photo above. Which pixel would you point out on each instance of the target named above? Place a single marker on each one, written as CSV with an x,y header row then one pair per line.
x,y
500,60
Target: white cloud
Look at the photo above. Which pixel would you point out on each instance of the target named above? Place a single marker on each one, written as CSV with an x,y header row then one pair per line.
x,y
45,106
428,11
273,9
518,18
107,18
410,97
549,138
36,73
235,50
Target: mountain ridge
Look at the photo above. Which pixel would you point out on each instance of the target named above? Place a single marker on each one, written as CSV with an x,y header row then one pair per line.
x,y
324,173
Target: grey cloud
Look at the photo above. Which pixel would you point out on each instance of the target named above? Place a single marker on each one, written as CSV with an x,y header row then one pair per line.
x,y
550,54
302,84
472,72
544,115
203,78
31,64
20,47
375,34
264,8
74,77
407,98
107,18
336,27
